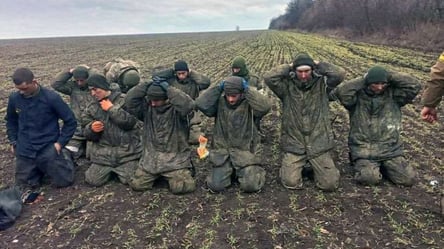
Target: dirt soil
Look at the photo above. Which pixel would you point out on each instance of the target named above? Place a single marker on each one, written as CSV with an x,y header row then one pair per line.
x,y
114,216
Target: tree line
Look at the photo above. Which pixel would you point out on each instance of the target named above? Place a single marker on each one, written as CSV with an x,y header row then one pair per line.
x,y
414,22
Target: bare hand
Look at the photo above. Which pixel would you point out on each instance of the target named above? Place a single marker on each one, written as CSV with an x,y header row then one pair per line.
x,y
58,147
429,114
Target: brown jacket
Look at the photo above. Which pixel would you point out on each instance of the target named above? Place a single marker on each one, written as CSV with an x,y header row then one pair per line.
x,y
434,89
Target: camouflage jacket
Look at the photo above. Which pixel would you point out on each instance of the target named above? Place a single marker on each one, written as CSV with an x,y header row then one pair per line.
x,y
306,125
235,133
121,141
113,70
80,97
375,120
166,129
192,85
434,89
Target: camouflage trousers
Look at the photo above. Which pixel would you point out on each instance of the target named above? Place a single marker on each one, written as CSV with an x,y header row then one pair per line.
x,y
97,175
251,178
326,175
180,181
397,169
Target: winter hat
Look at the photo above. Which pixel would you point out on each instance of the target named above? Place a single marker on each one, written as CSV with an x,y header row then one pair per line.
x,y
80,73
376,74
130,78
181,65
233,85
239,62
303,59
98,81
22,75
155,92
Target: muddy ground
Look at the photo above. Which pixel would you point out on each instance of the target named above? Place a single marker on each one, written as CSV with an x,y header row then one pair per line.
x,y
114,216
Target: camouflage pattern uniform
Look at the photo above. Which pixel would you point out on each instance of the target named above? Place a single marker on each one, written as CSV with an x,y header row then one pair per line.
x,y
165,148
118,148
235,139
375,127
115,69
306,126
80,97
192,85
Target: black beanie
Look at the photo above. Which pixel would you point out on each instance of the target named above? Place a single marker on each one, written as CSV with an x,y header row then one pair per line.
x,y
181,65
303,59
22,75
98,81
80,73
155,92
376,74
233,85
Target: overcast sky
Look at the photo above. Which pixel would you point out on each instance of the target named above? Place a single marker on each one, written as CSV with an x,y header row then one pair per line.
x,y
48,18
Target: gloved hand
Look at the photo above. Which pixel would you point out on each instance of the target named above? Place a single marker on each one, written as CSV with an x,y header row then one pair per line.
x,y
292,74
164,85
157,79
245,85
222,85
106,104
97,126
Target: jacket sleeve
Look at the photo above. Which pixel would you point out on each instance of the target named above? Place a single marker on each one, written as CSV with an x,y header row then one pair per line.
x,y
334,74
63,84
67,116
405,87
208,101
274,79
202,81
434,88
181,101
123,119
11,121
87,119
260,104
135,100
346,92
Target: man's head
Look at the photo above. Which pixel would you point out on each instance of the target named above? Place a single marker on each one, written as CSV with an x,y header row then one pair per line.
x,y
99,87
303,66
233,89
181,69
239,67
24,81
130,78
156,95
80,75
376,79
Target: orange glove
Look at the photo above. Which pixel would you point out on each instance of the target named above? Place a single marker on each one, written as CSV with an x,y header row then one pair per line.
x,y
97,126
202,150
106,104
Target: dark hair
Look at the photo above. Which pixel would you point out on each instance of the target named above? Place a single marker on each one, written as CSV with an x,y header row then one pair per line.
x,y
22,75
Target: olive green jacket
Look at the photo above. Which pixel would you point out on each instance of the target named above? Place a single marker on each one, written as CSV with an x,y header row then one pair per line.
x,y
235,134
306,125
120,141
166,130
375,120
